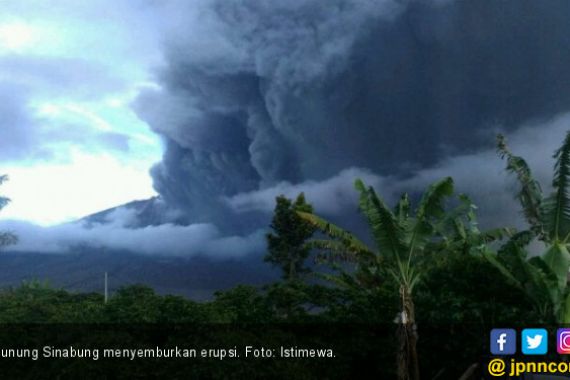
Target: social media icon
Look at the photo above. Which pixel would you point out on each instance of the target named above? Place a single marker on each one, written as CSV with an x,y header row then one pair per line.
x,y
504,341
534,341
563,341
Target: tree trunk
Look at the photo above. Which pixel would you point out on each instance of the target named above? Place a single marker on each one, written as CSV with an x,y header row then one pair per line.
x,y
408,365
292,272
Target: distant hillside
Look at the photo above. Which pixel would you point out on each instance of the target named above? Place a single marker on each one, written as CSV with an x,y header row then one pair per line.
x,y
150,212
195,277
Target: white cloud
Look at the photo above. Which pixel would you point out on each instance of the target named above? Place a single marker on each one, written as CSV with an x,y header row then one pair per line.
x,y
332,196
68,150
58,192
165,239
16,36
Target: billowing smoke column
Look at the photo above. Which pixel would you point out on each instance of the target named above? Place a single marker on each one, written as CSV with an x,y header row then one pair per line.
x,y
257,92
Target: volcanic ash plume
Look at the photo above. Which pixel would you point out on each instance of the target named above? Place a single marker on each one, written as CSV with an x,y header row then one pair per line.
x,y
255,93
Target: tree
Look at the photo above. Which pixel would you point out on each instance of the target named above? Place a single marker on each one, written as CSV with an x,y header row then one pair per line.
x,y
6,238
243,304
404,243
134,303
544,278
287,243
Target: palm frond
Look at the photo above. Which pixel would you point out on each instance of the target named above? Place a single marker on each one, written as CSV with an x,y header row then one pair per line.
x,y
430,212
543,281
402,210
564,312
514,255
503,269
431,205
496,234
557,259
405,274
533,276
342,280
350,242
452,223
388,233
513,252
556,208
530,194
332,251
519,239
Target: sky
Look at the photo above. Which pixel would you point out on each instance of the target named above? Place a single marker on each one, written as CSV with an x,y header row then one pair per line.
x,y
218,106
71,144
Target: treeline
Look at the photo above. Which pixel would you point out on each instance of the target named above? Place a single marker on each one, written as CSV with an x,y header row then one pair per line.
x,y
430,273
457,290
460,300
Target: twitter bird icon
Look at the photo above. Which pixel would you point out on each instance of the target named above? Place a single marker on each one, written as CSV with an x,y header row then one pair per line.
x,y
534,342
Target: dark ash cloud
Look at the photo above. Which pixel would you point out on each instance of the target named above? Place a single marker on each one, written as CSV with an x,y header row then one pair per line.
x,y
255,94
481,175
154,228
258,98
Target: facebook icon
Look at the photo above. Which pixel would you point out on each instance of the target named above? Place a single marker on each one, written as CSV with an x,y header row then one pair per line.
x,y
503,341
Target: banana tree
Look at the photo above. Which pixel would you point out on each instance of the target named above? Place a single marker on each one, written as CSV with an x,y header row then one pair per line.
x,y
543,278
404,241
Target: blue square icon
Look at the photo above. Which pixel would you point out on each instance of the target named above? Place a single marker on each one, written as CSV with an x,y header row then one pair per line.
x,y
503,341
534,341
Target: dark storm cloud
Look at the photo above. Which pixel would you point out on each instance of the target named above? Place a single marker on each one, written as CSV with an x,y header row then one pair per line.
x,y
255,93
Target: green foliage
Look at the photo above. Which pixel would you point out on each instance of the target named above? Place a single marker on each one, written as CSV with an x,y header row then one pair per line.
x,y
461,298
137,303
543,278
37,302
6,238
140,304
287,243
346,245
547,216
296,301
425,261
404,240
243,304
405,244
448,295
556,207
530,193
